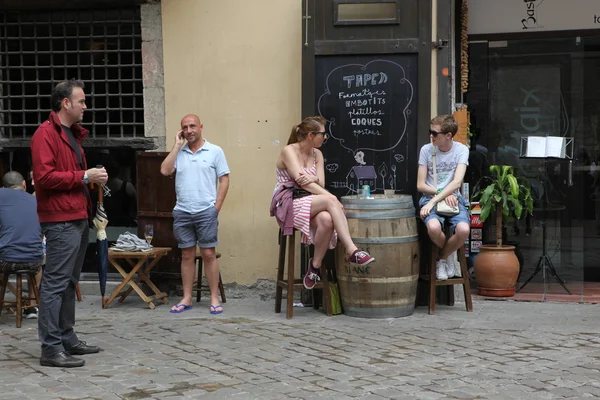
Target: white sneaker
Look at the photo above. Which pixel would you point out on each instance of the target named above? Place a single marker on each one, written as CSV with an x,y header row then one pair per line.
x,y
457,271
450,266
30,313
440,270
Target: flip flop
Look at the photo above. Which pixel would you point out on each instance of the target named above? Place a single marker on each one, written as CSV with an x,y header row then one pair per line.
x,y
185,308
213,309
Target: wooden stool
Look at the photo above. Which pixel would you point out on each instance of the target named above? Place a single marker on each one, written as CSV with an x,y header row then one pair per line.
x,y
200,286
78,292
463,280
19,292
291,284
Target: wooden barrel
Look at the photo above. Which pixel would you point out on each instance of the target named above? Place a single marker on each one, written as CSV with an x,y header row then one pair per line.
x,y
386,227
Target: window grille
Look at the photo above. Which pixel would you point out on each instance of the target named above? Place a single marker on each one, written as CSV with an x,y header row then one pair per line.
x,y
100,47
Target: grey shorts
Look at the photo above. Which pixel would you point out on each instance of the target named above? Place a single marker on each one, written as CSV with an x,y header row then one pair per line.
x,y
196,229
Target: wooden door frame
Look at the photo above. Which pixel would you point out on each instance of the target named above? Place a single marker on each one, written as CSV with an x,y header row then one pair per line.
x,y
421,45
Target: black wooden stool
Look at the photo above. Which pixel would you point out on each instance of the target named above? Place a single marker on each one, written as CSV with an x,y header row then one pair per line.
x,y
462,280
20,299
291,284
199,286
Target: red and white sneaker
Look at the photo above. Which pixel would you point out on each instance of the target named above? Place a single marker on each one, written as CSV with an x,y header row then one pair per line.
x,y
312,276
360,257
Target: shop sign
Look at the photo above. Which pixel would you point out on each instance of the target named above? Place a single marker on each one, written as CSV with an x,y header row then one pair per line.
x,y
475,245
477,234
493,16
476,222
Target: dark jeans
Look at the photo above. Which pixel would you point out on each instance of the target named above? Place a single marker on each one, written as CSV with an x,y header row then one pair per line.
x,y
9,267
66,243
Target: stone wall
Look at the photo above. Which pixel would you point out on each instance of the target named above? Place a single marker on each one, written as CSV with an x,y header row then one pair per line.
x,y
152,60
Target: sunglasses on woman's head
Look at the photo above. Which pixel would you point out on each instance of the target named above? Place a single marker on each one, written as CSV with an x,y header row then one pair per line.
x,y
435,133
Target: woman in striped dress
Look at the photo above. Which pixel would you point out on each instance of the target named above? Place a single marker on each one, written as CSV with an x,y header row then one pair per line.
x,y
318,215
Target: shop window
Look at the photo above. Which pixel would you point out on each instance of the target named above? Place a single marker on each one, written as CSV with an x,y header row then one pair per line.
x,y
366,12
100,47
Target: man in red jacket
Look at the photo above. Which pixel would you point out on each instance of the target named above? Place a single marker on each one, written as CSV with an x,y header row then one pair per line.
x,y
64,206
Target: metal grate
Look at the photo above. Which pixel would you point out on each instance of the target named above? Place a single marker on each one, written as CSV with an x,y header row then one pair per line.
x,y
100,47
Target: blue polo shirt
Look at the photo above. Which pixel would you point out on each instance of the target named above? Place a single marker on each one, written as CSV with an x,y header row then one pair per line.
x,y
197,177
20,231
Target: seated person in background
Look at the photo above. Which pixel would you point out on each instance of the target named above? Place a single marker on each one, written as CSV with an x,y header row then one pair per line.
x,y
20,230
452,159
121,206
316,213
32,312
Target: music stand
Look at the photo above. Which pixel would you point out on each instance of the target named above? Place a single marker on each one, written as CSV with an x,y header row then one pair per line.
x,y
563,149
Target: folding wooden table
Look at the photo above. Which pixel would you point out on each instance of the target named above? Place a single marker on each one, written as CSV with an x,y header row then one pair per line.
x,y
136,260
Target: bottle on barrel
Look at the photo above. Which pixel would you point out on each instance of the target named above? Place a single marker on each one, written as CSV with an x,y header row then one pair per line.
x,y
366,191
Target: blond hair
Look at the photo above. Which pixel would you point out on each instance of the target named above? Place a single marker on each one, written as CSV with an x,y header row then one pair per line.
x,y
446,122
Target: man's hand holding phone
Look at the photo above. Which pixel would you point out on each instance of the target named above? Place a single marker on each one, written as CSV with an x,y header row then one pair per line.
x,y
179,139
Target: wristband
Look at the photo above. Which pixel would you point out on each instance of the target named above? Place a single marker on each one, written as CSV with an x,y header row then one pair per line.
x,y
438,191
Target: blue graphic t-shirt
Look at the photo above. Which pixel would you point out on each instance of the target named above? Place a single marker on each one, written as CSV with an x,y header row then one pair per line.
x,y
446,162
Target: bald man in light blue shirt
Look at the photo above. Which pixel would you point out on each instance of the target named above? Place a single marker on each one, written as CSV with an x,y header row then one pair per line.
x,y
201,185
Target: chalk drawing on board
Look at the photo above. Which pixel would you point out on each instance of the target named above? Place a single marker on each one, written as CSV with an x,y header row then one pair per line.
x,y
365,105
358,176
359,156
393,176
332,167
383,171
399,157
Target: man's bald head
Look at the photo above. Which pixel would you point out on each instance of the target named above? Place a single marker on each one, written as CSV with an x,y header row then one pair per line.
x,y
192,129
13,180
191,116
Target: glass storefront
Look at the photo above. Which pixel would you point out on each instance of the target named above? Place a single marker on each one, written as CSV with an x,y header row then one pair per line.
x,y
544,87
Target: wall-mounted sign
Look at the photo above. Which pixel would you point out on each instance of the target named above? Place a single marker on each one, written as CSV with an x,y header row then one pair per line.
x,y
493,16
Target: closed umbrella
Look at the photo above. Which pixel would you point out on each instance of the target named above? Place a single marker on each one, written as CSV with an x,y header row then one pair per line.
x,y
100,222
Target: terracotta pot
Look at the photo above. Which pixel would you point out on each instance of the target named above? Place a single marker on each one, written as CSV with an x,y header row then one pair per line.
x,y
496,271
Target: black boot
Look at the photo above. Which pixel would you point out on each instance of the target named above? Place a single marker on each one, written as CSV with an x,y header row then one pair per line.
x,y
62,360
82,348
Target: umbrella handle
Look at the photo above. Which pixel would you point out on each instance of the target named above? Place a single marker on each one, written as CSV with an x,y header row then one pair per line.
x,y
100,191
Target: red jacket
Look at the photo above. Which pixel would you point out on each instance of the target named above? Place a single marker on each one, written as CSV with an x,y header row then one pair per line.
x,y
58,177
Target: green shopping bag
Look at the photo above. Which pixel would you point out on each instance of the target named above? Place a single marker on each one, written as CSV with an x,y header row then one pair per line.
x,y
334,294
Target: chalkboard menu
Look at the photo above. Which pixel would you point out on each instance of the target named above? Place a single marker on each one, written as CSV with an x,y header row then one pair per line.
x,y
370,104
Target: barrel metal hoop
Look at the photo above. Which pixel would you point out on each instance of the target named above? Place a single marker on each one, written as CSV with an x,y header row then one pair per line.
x,y
381,215
377,206
396,279
378,303
386,240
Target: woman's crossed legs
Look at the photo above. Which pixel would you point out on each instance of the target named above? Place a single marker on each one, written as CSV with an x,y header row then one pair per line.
x,y
327,214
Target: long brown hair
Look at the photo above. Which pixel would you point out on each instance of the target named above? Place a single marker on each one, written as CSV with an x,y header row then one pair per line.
x,y
301,131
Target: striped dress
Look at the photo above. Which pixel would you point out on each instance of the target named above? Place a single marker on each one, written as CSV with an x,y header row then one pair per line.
x,y
302,208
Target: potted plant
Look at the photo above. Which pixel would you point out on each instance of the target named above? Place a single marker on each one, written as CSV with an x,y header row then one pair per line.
x,y
496,266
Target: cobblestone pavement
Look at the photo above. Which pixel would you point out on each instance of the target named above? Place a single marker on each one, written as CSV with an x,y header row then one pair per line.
x,y
503,350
